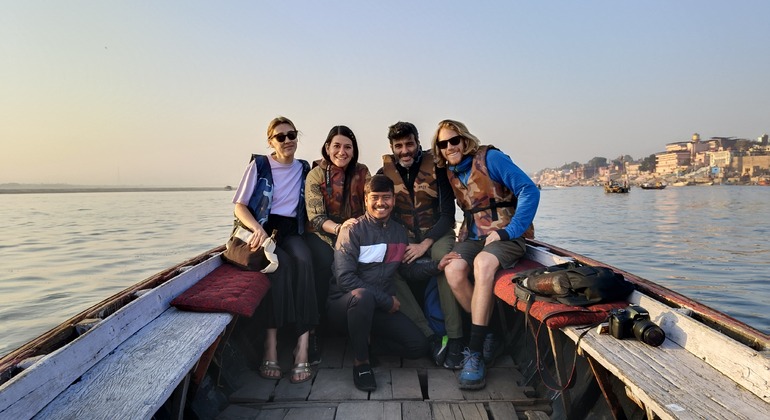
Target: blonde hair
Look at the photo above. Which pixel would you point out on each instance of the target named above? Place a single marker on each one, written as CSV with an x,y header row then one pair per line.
x,y
276,122
472,142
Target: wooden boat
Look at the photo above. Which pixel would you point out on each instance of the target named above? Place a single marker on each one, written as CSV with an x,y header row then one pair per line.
x,y
652,186
615,187
134,356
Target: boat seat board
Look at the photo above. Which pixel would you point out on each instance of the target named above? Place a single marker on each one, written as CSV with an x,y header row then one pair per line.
x,y
669,380
138,377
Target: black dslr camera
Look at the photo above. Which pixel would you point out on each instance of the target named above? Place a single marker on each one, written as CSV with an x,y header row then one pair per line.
x,y
634,321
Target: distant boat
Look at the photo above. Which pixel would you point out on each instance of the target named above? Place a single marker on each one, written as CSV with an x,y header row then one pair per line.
x,y
615,187
652,186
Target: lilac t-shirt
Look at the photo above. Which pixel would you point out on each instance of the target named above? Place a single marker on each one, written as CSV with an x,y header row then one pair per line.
x,y
287,180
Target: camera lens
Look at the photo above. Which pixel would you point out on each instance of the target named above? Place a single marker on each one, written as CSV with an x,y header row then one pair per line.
x,y
647,332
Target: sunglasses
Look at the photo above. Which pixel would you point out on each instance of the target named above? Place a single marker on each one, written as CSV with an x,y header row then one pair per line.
x,y
281,137
443,144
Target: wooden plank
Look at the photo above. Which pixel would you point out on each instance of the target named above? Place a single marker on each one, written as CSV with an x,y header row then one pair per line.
x,y
31,390
287,391
335,385
415,410
406,384
144,370
391,410
502,410
333,352
384,389
473,411
255,389
742,364
314,413
369,410
670,381
543,256
237,412
501,385
442,411
443,386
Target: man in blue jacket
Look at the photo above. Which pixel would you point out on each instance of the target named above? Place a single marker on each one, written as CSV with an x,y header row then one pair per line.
x,y
499,202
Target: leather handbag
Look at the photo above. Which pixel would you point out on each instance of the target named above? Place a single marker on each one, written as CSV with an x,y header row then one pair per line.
x,y
239,253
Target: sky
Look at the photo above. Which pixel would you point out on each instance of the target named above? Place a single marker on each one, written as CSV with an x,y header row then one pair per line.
x,y
179,93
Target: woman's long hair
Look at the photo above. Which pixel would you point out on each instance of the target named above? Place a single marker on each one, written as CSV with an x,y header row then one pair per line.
x,y
350,170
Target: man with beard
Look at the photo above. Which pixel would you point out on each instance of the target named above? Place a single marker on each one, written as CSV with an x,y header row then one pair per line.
x,y
424,204
362,297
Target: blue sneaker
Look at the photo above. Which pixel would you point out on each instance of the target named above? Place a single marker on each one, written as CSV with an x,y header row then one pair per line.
x,y
473,375
492,349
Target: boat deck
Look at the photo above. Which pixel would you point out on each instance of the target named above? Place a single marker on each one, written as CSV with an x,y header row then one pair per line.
x,y
406,389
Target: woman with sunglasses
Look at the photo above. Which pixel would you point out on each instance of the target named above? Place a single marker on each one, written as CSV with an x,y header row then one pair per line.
x,y
335,199
499,202
271,196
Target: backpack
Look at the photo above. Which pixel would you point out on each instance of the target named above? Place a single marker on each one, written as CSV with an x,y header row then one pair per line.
x,y
432,308
571,284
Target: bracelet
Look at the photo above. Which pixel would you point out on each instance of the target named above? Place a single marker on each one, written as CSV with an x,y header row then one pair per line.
x,y
337,228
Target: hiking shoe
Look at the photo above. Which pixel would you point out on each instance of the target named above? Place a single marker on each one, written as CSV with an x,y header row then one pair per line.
x,y
438,348
492,349
473,375
454,354
363,377
313,350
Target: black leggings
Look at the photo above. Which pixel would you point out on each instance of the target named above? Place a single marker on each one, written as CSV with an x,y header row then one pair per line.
x,y
393,334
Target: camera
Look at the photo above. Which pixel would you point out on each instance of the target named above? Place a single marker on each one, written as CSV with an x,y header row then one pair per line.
x,y
634,321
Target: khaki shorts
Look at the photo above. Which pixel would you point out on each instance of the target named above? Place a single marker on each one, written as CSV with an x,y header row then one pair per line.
x,y
507,252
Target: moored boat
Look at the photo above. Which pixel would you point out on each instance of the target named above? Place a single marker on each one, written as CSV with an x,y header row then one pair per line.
x,y
106,360
652,185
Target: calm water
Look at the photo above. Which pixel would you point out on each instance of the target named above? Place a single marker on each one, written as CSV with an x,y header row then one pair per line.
x,y
61,253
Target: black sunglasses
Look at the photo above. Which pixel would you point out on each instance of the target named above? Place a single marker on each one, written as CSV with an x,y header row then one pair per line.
x,y
443,144
281,137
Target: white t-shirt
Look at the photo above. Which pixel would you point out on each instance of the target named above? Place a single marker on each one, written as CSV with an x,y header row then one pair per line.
x,y
287,180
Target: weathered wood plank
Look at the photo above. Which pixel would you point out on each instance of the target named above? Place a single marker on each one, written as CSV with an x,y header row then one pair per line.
x,y
671,381
335,385
406,384
314,413
144,370
384,389
391,410
501,385
442,411
333,352
373,410
287,391
254,389
738,362
415,410
473,411
31,390
443,385
238,412
502,410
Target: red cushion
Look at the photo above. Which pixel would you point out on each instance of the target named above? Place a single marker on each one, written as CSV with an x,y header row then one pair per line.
x,y
226,289
567,315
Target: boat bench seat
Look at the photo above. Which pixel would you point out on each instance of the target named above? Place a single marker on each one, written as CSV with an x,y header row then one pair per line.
x,y
128,363
136,378
695,373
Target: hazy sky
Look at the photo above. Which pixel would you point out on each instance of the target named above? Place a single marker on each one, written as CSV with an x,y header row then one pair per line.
x,y
179,93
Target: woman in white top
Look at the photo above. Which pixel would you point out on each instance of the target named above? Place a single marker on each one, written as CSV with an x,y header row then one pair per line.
x,y
271,196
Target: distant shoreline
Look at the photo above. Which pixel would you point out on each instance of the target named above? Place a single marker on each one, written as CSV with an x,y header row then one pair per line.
x,y
64,189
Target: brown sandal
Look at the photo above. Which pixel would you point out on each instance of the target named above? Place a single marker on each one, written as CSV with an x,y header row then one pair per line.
x,y
268,367
299,369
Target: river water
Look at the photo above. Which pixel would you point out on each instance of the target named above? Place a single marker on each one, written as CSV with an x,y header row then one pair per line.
x,y
60,253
